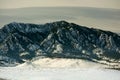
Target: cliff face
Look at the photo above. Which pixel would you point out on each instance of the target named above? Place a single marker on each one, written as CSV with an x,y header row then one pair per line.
x,y
20,42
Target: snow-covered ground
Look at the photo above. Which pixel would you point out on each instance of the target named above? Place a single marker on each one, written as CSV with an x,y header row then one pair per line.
x,y
59,69
59,74
60,63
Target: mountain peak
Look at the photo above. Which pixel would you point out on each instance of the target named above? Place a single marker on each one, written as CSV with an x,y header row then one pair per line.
x,y
62,22
22,41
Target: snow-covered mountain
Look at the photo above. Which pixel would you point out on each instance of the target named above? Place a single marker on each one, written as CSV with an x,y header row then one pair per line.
x,y
20,42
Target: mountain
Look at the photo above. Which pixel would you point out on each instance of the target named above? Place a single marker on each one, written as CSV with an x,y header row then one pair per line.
x,y
20,42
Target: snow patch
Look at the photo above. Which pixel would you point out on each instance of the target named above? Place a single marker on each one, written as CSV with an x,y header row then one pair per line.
x,y
61,63
58,49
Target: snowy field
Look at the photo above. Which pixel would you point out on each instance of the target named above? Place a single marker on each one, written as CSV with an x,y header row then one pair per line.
x,y
16,73
59,69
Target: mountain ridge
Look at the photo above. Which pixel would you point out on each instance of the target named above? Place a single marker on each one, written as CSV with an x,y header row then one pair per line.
x,y
21,41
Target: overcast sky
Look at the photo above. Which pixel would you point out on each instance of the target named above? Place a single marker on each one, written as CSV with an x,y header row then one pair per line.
x,y
50,3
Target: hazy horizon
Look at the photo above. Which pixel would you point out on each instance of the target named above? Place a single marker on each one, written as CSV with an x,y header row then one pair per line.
x,y
101,14
101,18
6,4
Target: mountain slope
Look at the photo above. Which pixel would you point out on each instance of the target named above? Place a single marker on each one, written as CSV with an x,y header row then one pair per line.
x,y
20,42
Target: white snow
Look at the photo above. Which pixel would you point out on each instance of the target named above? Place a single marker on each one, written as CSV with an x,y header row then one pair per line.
x,y
59,69
24,53
58,49
61,63
58,74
